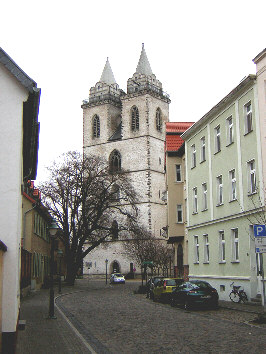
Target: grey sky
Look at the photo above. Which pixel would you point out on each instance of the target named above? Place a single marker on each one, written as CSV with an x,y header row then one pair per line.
x,y
199,50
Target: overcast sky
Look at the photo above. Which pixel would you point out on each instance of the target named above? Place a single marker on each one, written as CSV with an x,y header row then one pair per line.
x,y
199,49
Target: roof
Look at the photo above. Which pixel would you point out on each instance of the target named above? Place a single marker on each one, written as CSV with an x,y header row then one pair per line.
x,y
16,71
107,74
259,56
173,134
143,64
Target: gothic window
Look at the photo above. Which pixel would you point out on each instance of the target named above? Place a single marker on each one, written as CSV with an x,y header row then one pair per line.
x,y
115,161
96,126
158,120
134,118
114,230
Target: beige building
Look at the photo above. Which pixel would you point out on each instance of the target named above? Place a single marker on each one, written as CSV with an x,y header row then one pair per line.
x,y
176,195
128,130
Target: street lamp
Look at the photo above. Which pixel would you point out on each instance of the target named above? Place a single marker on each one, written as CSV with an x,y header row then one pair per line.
x,y
52,230
106,262
60,256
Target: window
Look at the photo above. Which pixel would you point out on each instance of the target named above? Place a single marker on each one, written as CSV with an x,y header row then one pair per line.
x,y
248,118
251,177
196,249
158,120
134,118
222,246
203,149
178,173
114,230
115,161
193,156
206,249
232,177
179,213
204,196
96,126
217,139
195,200
219,190
230,131
235,247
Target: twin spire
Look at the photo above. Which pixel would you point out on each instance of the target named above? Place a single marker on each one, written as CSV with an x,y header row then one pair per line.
x,y
142,68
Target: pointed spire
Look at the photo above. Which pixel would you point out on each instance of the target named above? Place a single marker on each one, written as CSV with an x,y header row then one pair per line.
x,y
107,74
143,64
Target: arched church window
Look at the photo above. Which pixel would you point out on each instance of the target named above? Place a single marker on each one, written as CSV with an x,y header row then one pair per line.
x,y
96,126
158,120
114,230
115,161
134,118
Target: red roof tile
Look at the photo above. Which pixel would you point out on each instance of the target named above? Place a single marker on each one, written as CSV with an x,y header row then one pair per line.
x,y
173,132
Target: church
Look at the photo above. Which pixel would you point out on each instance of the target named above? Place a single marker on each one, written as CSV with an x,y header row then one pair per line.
x,y
128,130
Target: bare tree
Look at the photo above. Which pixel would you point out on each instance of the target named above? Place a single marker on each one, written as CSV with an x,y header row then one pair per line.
x,y
90,203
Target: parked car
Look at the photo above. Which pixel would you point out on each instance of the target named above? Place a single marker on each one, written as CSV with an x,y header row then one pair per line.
x,y
163,290
117,278
152,282
193,293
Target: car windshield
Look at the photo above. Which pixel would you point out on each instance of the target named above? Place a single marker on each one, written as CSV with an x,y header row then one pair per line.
x,y
172,282
199,284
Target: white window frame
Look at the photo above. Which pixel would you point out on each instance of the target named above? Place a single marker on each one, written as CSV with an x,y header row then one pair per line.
x,y
252,177
232,177
196,249
204,196
235,245
219,181
193,156
217,139
195,200
221,246
178,172
248,117
179,213
206,248
203,149
230,130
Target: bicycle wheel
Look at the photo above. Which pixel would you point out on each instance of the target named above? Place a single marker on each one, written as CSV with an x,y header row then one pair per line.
x,y
234,297
244,297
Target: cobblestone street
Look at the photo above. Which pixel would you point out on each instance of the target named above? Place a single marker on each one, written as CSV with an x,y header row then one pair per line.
x,y
112,319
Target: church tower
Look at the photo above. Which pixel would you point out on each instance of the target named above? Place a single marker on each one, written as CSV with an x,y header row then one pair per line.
x,y
130,128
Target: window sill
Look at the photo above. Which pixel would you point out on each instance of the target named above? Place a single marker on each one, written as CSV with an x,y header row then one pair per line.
x,y
217,152
193,167
233,200
196,262
206,262
203,161
194,213
204,209
235,261
218,205
222,262
229,144
251,194
248,132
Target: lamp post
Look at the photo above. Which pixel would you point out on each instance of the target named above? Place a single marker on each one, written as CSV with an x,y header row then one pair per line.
x,y
106,262
53,230
60,256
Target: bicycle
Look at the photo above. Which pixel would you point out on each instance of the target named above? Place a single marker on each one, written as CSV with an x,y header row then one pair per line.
x,y
237,295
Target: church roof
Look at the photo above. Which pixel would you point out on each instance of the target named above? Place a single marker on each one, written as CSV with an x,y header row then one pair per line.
x,y
107,74
143,64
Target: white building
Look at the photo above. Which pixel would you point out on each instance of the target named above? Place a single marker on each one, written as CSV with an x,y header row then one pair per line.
x,y
19,131
128,129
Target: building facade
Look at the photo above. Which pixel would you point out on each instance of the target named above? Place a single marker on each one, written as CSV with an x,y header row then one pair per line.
x,y
19,132
225,184
128,130
176,195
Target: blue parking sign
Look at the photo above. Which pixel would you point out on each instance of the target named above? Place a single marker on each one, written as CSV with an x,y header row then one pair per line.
x,y
259,230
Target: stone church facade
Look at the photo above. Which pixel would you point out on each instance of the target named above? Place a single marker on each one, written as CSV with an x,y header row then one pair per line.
x,y
128,129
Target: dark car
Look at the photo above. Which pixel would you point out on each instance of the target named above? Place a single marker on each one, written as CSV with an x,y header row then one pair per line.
x,y
193,293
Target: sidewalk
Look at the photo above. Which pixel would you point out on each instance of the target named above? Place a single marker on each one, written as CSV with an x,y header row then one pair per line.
x,y
42,335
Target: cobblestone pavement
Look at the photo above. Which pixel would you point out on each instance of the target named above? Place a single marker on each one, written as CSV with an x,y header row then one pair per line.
x,y
115,320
